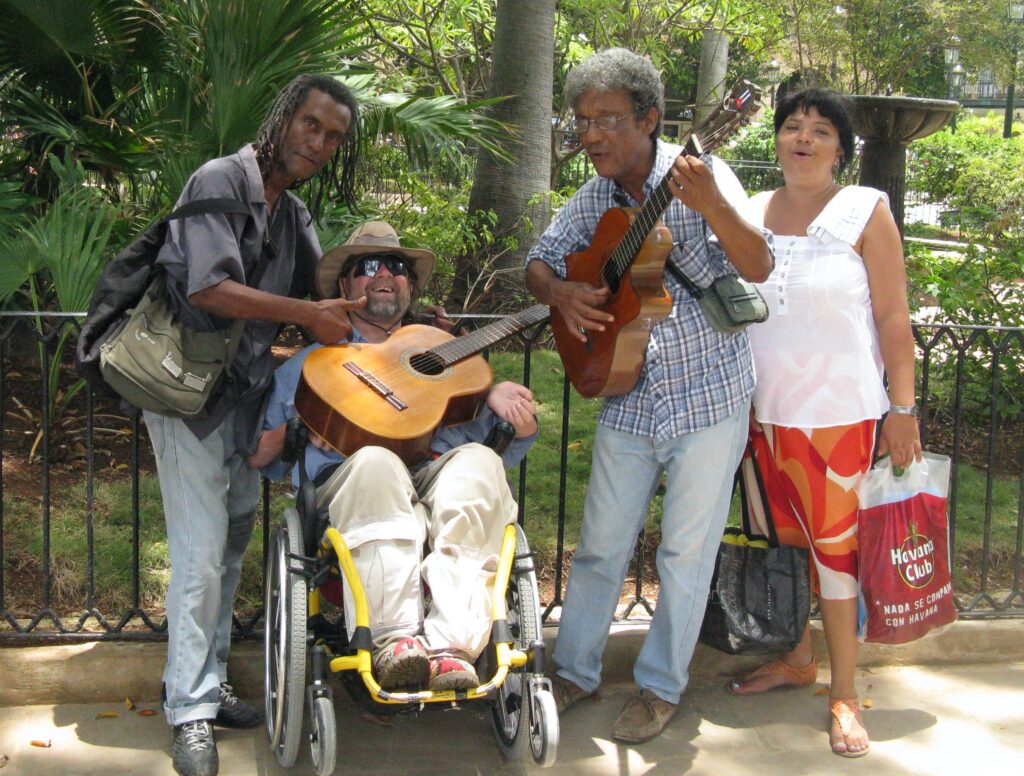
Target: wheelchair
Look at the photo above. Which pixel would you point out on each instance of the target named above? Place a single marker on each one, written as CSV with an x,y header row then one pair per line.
x,y
304,647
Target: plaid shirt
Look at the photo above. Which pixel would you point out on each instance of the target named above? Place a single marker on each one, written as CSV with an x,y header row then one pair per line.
x,y
693,376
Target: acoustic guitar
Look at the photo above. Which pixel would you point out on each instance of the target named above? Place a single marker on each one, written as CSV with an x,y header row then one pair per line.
x,y
396,393
627,255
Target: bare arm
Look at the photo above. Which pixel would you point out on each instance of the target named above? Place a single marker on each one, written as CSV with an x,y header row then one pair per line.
x,y
327,320
882,251
270,447
577,302
694,185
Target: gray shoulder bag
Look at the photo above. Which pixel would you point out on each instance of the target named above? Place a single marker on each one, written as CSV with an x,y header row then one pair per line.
x,y
730,304
157,364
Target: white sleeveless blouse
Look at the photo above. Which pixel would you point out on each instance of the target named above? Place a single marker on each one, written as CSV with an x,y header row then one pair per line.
x,y
817,358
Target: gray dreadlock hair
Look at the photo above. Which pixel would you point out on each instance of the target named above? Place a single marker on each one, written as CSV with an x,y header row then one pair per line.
x,y
275,124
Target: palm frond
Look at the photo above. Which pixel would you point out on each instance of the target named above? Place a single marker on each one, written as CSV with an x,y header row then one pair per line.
x,y
73,236
432,126
21,260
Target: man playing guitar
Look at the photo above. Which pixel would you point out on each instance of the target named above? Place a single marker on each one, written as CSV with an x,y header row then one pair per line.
x,y
687,414
459,498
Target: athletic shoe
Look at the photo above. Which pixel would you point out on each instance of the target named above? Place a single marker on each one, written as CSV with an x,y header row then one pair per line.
x,y
193,749
402,663
451,673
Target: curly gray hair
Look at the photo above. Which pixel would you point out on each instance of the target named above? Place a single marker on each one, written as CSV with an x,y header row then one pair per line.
x,y
617,69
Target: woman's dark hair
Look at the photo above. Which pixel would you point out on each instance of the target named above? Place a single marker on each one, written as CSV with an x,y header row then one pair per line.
x,y
831,105
275,124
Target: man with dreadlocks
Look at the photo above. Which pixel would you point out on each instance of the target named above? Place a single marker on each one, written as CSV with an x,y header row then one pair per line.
x,y
209,493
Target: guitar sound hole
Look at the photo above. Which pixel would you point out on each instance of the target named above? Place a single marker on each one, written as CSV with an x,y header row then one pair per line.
x,y
427,364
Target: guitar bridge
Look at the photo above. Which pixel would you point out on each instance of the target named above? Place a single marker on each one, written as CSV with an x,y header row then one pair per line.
x,y
376,386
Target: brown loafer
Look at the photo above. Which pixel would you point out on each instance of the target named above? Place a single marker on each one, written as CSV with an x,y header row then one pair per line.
x,y
642,718
566,692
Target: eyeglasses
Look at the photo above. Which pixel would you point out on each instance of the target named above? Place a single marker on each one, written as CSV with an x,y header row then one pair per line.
x,y
604,123
371,264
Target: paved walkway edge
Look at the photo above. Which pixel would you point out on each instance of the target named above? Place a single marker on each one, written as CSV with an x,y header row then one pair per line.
x,y
106,671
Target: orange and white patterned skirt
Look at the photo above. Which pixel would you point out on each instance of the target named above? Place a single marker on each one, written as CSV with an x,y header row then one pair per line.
x,y
810,478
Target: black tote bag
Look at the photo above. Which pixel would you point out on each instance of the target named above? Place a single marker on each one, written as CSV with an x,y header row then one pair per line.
x,y
759,599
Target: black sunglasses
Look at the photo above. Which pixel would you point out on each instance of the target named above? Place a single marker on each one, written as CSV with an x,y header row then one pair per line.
x,y
371,263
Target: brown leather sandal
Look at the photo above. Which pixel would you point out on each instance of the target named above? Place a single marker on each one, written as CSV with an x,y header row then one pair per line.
x,y
795,676
846,711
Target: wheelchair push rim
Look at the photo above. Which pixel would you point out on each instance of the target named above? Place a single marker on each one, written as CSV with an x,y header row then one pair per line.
x,y
284,642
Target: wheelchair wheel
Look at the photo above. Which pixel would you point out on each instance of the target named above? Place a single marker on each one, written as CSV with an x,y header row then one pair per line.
x,y
284,642
544,727
323,736
520,721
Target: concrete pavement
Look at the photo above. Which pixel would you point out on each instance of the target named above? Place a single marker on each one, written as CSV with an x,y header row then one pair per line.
x,y
946,720
957,708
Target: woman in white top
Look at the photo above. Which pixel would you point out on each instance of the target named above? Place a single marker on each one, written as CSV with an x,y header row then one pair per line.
x,y
838,318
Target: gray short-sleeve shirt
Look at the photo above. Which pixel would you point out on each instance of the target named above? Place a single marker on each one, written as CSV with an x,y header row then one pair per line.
x,y
201,251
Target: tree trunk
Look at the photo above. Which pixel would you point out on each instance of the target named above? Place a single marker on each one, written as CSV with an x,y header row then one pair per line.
x,y
524,45
714,60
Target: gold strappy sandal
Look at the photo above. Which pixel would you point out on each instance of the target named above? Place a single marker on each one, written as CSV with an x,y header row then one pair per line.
x,y
846,711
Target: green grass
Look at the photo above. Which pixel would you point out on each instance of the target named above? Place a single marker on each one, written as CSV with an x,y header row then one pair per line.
x,y
23,545
970,529
112,549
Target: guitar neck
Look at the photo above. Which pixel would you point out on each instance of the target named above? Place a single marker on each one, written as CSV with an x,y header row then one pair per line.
x,y
743,100
647,216
468,345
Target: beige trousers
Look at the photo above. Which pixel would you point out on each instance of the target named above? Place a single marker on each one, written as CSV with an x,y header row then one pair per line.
x,y
461,503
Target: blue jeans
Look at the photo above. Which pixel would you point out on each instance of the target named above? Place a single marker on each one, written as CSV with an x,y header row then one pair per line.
x,y
210,497
625,472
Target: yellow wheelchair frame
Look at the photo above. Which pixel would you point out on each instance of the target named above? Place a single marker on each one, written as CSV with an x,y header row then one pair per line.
x,y
524,716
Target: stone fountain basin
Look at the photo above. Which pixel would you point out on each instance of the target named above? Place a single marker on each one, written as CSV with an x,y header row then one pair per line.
x,y
900,119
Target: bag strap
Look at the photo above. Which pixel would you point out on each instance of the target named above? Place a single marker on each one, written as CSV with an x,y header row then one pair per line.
x,y
692,288
202,207
747,526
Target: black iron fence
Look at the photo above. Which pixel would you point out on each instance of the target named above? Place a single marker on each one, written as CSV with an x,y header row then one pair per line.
x,y
81,532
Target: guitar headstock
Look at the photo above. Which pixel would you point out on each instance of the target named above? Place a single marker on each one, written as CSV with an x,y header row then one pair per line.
x,y
735,110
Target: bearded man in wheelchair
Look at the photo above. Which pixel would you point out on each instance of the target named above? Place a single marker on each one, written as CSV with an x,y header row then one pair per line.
x,y
430,614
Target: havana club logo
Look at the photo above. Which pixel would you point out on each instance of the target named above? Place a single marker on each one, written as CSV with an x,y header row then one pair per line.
x,y
915,559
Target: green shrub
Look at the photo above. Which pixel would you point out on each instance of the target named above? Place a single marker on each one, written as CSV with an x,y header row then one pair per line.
x,y
982,287
974,171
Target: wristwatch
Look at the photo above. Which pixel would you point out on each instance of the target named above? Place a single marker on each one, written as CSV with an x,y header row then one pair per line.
x,y
904,409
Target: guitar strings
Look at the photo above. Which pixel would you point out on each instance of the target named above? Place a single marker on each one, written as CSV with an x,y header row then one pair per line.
x,y
456,350
653,208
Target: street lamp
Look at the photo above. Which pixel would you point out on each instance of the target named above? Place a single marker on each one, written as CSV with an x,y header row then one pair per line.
x,y
956,78
773,72
952,52
955,73
1015,14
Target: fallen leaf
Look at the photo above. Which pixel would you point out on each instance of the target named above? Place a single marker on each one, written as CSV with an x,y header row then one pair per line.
x,y
129,704
108,715
574,446
147,712
42,744
867,703
822,691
